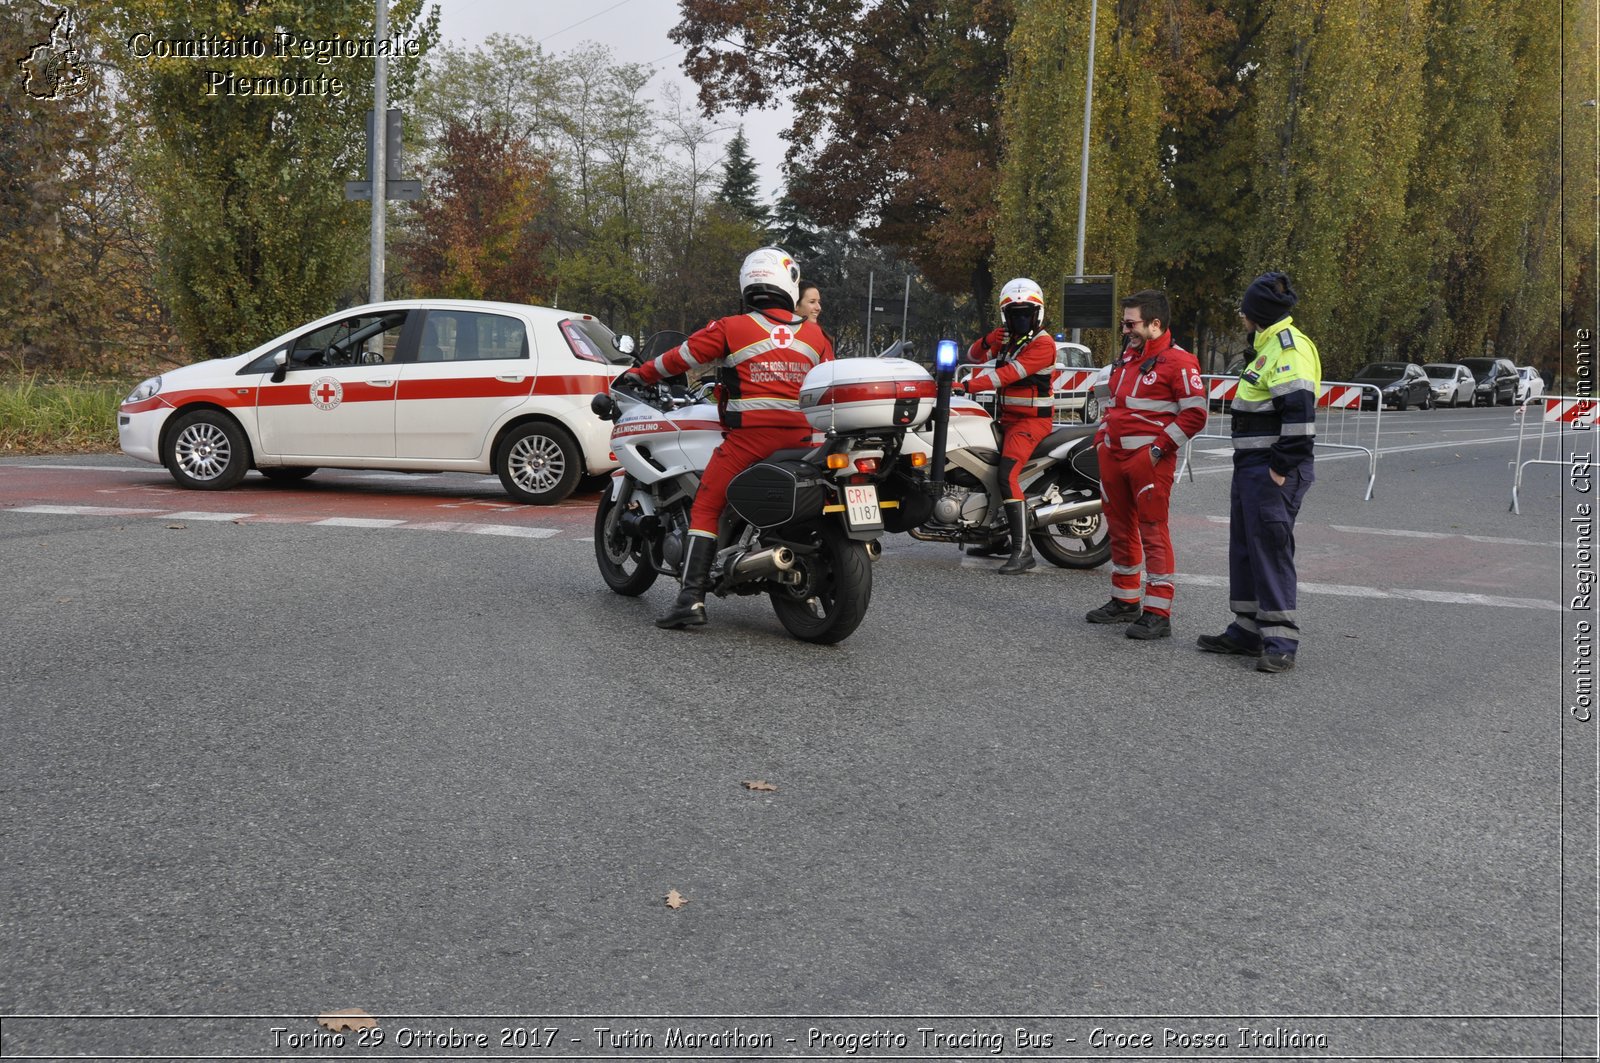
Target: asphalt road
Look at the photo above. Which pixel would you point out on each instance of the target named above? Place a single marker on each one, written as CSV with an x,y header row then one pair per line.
x,y
256,765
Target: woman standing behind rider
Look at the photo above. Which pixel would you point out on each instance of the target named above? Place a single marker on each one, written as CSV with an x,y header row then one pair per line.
x,y
1023,356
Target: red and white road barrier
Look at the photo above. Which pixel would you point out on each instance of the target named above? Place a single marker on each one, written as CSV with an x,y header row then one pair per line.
x,y
1342,423
1564,416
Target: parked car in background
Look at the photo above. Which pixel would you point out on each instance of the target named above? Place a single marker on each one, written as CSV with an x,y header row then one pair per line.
x,y
1530,385
1497,381
431,385
1400,384
1453,383
1074,393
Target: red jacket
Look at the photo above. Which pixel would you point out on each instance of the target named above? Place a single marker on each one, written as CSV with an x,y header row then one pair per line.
x,y
1021,373
1154,396
763,357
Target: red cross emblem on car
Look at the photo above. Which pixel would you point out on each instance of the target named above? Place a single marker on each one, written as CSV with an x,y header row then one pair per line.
x,y
326,393
781,336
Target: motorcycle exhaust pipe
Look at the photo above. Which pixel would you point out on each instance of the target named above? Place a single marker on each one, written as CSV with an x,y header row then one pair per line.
x,y
874,549
1045,516
763,564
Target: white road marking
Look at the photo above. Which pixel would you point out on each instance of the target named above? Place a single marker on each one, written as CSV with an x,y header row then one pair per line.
x,y
1409,534
1416,594
203,515
88,511
509,529
357,522
1440,535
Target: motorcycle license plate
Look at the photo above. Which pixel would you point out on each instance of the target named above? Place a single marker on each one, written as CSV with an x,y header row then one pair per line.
x,y
861,511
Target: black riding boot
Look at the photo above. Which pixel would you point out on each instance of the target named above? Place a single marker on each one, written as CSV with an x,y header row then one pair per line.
x,y
690,608
1021,546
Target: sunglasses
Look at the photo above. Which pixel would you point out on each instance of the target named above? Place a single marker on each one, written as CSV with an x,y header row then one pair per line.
x,y
1126,325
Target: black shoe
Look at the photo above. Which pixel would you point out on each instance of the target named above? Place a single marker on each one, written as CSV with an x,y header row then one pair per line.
x,y
1116,611
1150,626
1275,662
1021,558
1224,644
690,608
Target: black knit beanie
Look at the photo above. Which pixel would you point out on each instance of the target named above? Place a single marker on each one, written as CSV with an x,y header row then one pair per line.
x,y
1269,298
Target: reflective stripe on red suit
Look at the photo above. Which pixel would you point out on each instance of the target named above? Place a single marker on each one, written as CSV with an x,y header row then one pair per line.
x,y
1162,405
762,358
1021,374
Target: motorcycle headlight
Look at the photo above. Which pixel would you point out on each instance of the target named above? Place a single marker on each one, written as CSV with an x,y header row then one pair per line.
x,y
144,390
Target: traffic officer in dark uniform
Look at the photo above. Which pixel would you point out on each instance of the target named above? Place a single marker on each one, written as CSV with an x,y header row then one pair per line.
x,y
1274,431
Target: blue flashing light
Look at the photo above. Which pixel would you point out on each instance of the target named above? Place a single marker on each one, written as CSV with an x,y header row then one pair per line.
x,y
948,354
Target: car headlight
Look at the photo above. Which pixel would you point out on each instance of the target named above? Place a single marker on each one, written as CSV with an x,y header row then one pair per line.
x,y
144,390
1392,387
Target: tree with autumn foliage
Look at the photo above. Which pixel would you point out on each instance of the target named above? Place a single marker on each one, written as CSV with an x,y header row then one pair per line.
x,y
480,231
897,125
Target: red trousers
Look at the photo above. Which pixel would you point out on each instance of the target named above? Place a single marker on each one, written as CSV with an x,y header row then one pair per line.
x,y
1020,439
740,448
1136,496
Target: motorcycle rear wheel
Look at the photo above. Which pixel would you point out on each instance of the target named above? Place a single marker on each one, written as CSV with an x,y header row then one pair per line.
x,y
618,555
1081,543
831,601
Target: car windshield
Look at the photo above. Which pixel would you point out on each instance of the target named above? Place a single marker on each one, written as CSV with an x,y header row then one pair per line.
x,y
591,340
1382,371
1440,372
1479,367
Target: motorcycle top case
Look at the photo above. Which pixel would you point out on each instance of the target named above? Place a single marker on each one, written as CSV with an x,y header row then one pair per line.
x,y
770,493
867,394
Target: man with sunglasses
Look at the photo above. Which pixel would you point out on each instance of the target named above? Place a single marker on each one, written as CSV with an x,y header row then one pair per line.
x,y
1153,404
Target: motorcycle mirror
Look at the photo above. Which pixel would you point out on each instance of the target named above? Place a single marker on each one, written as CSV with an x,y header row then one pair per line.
x,y
624,344
947,355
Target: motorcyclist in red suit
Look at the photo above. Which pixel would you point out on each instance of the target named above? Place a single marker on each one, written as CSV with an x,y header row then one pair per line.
x,y
1017,362
762,358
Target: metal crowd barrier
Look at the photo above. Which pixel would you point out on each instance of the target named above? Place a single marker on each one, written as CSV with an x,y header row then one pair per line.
x,y
1342,423
1562,415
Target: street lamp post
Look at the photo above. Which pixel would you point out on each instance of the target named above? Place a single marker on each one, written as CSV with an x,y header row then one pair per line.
x,y
1083,161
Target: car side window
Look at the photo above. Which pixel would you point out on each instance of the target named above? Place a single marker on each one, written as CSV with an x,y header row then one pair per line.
x,y
469,336
363,339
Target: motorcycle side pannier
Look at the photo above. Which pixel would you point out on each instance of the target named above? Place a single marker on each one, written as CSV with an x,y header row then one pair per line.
x,y
770,493
867,394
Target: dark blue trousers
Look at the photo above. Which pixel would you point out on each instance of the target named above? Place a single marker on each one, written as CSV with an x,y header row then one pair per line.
x,y
1261,577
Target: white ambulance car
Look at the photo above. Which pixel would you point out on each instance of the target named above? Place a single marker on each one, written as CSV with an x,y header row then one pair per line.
x,y
432,385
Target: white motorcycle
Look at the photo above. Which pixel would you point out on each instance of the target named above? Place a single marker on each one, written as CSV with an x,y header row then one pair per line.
x,y
802,526
1060,482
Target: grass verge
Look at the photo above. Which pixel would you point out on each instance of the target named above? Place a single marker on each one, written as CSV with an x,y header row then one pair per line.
x,y
42,416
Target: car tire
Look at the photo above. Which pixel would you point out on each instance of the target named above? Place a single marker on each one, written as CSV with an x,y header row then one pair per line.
x,y
1427,402
285,474
1400,403
1091,410
206,451
538,463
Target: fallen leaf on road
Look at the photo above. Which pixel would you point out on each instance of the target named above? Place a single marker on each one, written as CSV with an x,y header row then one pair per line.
x,y
177,527
346,1019
757,784
676,900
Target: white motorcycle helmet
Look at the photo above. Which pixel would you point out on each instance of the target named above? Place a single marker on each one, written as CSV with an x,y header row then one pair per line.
x,y
769,278
1022,306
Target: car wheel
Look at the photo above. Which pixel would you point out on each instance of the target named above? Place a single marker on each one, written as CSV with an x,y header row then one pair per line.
x,y
539,463
1091,410
1400,403
284,474
1427,402
206,451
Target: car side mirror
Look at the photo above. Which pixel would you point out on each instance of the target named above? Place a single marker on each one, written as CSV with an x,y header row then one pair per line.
x,y
624,344
280,366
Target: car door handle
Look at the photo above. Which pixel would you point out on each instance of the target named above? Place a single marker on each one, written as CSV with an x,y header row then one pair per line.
x,y
381,383
515,378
